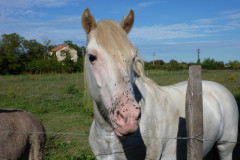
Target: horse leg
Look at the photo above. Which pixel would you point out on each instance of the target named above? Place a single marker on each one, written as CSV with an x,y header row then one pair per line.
x,y
36,147
225,150
34,153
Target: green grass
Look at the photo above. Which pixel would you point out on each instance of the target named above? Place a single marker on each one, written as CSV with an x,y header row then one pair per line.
x,y
58,101
228,78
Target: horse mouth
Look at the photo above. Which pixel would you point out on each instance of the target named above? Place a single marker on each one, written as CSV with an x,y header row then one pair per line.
x,y
124,133
126,125
119,134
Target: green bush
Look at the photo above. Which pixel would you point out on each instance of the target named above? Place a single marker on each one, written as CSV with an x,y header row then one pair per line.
x,y
87,108
72,89
232,78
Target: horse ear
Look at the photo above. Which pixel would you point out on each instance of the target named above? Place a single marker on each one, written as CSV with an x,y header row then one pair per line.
x,y
127,21
88,21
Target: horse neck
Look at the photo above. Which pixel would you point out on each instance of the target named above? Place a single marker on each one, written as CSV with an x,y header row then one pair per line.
x,y
150,90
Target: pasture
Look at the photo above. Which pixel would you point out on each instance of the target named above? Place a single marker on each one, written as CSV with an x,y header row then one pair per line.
x,y
58,100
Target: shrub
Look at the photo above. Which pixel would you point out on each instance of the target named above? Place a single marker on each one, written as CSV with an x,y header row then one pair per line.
x,y
209,63
232,77
72,89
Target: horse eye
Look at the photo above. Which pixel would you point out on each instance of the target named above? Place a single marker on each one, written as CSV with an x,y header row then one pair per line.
x,y
92,58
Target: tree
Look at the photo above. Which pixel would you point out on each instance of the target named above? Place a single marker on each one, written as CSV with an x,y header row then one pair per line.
x,y
68,63
219,64
209,63
33,50
234,65
46,44
82,52
182,65
79,65
198,62
159,62
173,64
11,50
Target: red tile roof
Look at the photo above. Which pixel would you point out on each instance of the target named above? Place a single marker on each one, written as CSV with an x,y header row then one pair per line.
x,y
58,47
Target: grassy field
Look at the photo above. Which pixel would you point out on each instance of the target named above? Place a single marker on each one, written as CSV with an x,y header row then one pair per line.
x,y
58,101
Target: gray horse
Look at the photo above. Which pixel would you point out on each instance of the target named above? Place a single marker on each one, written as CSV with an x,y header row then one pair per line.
x,y
20,135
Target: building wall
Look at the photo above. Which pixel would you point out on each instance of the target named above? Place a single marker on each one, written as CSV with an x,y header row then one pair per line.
x,y
72,52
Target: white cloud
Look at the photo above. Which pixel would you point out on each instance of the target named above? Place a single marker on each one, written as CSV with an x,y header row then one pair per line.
x,y
175,31
230,20
233,16
16,10
58,29
63,22
57,36
21,17
31,13
30,3
227,12
205,20
146,4
5,14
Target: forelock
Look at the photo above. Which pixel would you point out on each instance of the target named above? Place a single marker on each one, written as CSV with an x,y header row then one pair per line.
x,y
114,41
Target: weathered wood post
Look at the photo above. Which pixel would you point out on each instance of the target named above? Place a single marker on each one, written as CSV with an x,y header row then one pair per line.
x,y
194,113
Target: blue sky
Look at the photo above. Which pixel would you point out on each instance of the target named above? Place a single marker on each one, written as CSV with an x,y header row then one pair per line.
x,y
172,29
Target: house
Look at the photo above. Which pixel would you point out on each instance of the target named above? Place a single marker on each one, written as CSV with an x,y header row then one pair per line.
x,y
61,51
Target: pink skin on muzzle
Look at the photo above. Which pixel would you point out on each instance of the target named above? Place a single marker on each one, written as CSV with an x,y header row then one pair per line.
x,y
126,116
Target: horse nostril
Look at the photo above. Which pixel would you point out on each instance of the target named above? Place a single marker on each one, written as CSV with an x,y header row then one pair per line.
x,y
119,115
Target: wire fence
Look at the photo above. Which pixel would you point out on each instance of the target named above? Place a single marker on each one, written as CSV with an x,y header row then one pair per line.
x,y
196,138
212,155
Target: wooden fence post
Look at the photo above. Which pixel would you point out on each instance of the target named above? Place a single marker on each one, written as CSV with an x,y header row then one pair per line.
x,y
194,113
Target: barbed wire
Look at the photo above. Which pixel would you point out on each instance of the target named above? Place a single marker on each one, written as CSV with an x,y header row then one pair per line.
x,y
196,138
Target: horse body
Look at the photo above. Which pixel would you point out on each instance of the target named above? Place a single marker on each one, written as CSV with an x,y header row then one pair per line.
x,y
158,134
134,117
14,143
220,119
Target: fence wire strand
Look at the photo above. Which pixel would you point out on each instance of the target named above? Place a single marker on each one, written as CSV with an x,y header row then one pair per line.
x,y
196,138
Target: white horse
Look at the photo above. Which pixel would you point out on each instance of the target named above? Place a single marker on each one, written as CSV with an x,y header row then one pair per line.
x,y
134,117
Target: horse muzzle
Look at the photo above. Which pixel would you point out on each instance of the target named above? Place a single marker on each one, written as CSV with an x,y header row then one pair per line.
x,y
126,120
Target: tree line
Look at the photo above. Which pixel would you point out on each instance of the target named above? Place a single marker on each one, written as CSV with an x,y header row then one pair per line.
x,y
19,55
207,63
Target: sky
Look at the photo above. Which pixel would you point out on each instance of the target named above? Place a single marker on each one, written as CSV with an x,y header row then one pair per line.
x,y
171,29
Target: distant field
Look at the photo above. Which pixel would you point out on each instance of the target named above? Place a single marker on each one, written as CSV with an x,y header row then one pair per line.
x,y
58,101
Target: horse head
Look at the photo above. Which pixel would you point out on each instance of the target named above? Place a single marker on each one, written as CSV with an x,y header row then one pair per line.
x,y
109,71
